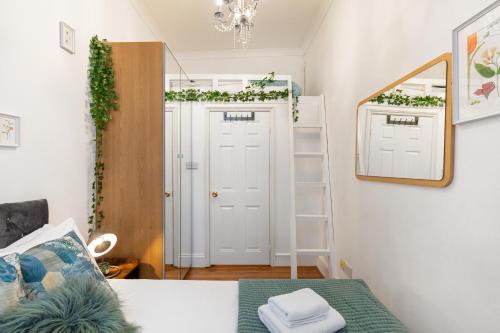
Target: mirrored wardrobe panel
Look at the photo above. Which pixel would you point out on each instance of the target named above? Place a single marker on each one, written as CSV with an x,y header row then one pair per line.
x,y
178,175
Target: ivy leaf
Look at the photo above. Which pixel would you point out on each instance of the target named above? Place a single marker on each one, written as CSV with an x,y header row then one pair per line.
x,y
485,71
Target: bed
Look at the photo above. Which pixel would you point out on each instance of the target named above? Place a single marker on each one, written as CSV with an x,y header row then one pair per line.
x,y
180,306
213,306
231,306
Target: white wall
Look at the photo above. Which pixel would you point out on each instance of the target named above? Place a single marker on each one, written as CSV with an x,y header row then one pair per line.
x,y
431,255
280,61
46,87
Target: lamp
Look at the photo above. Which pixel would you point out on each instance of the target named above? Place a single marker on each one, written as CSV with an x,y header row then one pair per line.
x,y
101,245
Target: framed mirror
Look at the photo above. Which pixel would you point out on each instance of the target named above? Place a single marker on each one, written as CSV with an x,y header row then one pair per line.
x,y
405,131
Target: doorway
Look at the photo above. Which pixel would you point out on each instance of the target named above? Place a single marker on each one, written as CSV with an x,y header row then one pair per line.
x,y
239,188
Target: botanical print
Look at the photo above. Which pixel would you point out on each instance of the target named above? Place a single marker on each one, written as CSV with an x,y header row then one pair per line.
x,y
483,65
7,131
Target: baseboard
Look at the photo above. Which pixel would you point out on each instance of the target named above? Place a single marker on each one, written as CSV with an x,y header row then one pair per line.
x,y
322,264
197,259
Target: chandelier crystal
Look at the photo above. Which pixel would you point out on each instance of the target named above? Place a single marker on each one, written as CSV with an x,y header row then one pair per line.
x,y
236,16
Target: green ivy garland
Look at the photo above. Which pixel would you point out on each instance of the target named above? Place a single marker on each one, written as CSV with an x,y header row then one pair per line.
x,y
253,92
103,100
398,98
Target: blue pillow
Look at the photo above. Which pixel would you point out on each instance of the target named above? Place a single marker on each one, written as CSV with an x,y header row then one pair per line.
x,y
11,290
49,265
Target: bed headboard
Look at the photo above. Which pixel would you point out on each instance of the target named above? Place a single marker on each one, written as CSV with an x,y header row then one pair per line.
x,y
21,218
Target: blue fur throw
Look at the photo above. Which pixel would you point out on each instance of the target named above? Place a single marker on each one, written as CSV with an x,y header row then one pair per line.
x,y
78,306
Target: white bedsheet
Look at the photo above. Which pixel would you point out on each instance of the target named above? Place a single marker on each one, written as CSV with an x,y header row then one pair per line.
x,y
180,306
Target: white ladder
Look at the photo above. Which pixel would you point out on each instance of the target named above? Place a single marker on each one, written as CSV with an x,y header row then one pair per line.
x,y
306,105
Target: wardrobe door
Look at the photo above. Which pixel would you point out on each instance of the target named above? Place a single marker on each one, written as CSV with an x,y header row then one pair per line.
x,y
133,152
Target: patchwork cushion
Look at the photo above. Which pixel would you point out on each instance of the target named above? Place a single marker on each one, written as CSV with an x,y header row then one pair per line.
x,y
11,290
49,265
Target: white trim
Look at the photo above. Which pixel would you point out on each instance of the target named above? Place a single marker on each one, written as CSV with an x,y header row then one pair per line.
x,y
322,265
237,53
316,27
327,178
282,259
198,260
148,21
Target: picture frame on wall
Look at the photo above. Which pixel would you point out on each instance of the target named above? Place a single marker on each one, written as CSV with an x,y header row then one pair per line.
x,y
476,66
66,37
10,127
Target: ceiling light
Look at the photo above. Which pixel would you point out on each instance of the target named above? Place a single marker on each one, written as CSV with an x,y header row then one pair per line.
x,y
236,16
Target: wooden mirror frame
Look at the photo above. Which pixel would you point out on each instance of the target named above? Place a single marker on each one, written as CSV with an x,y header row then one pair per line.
x,y
448,133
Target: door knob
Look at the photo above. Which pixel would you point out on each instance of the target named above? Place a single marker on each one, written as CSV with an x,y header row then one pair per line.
x,y
168,194
215,194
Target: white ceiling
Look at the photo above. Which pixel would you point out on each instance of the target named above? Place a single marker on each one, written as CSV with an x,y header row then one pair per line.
x,y
187,25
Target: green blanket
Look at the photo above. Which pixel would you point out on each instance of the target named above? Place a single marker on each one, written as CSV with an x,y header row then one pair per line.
x,y
362,311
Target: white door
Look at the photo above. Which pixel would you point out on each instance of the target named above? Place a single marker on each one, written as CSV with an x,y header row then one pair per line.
x,y
169,202
399,150
239,185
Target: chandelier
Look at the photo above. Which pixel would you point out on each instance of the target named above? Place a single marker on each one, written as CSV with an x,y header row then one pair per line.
x,y
236,16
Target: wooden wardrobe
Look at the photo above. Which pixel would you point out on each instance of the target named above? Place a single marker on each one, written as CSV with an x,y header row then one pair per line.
x,y
134,157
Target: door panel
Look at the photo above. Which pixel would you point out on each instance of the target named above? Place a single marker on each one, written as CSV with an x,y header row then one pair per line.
x,y
239,182
401,151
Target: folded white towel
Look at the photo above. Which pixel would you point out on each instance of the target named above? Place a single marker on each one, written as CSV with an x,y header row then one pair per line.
x,y
296,323
300,305
332,323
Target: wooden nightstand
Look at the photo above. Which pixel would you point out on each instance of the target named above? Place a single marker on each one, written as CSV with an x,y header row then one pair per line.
x,y
129,267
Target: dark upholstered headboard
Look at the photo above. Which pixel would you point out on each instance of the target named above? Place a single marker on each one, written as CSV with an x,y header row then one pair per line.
x,y
19,219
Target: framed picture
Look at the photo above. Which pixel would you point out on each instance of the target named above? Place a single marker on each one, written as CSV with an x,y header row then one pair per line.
x,y
476,66
9,130
67,37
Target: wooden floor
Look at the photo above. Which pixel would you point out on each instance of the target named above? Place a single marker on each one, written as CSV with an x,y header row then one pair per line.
x,y
234,273
175,273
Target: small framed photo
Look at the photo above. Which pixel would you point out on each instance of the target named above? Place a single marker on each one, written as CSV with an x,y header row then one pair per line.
x,y
476,66
67,37
10,126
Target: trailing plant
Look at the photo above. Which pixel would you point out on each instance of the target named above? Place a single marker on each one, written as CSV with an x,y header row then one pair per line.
x,y
255,91
103,100
398,98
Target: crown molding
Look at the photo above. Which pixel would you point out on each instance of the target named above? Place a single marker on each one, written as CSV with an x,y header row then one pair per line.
x,y
147,19
311,35
239,53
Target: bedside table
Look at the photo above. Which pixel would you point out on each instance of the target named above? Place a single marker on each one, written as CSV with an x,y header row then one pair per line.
x,y
129,267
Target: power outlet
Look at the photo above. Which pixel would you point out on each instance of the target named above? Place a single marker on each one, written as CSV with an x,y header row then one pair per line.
x,y
345,267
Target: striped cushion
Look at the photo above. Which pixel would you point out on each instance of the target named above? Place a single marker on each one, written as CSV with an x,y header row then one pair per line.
x,y
362,311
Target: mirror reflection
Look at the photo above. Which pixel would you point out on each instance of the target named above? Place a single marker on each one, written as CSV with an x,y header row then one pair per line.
x,y
401,132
